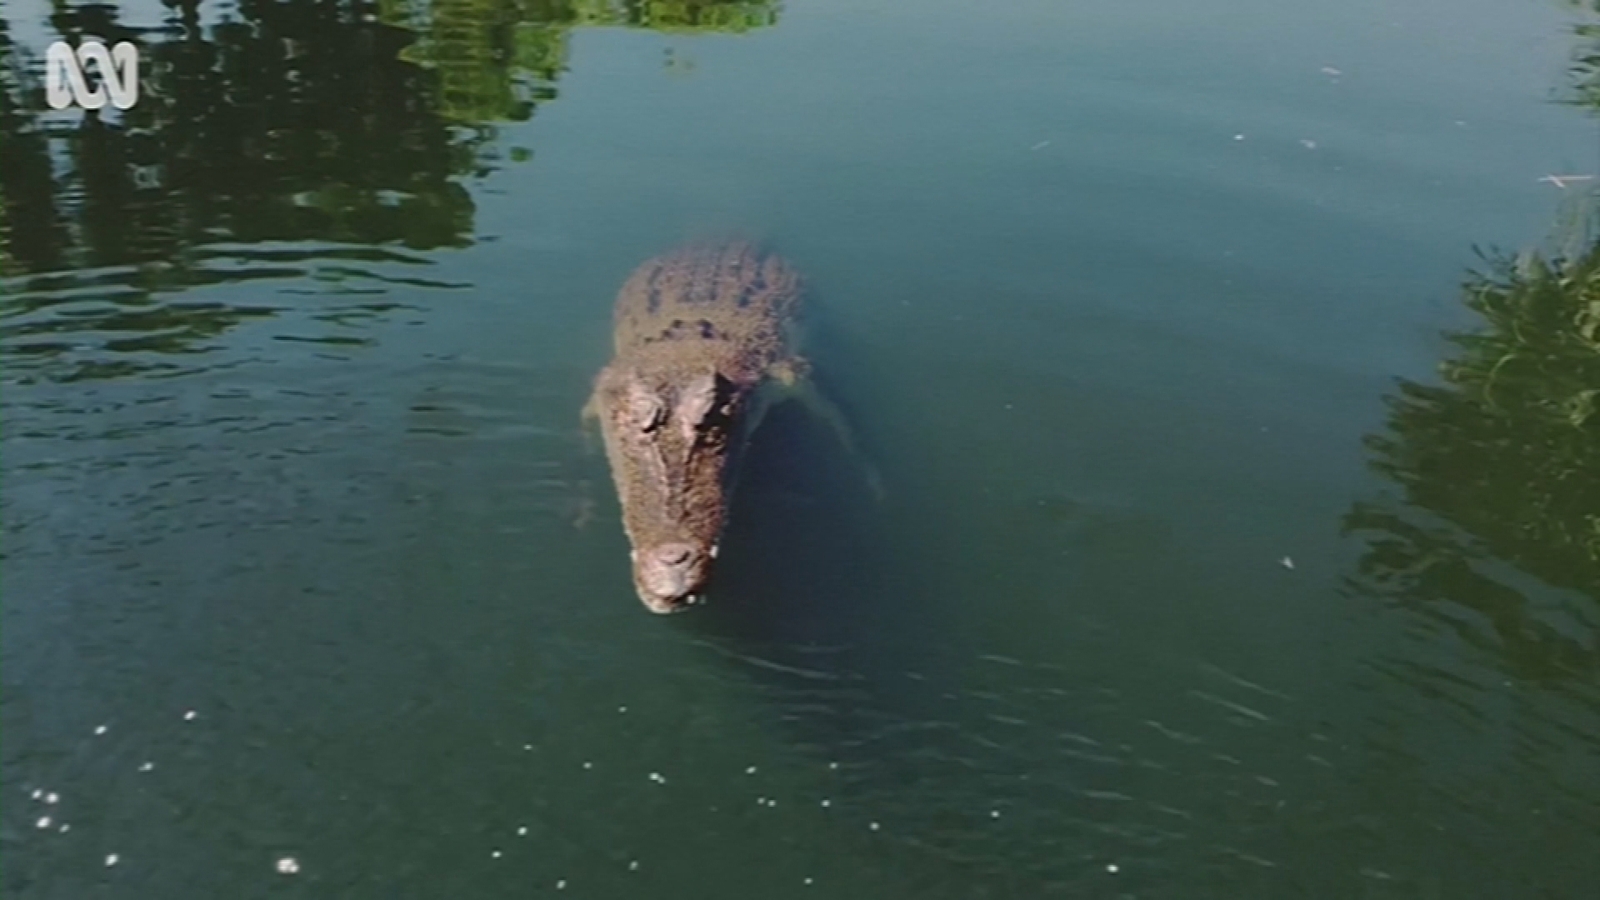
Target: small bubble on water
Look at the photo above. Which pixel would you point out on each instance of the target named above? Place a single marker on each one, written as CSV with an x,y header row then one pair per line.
x,y
994,813
44,822
808,881
100,729
522,831
622,709
561,885
288,865
1112,868
111,859
633,866
37,793
833,765
750,770
494,854
873,826
146,766
190,716
65,827
588,765
527,746
826,803
52,798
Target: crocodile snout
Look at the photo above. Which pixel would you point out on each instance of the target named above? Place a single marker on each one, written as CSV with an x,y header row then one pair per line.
x,y
670,576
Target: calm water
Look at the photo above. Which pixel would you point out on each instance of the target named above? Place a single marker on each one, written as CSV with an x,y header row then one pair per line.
x,y
1241,534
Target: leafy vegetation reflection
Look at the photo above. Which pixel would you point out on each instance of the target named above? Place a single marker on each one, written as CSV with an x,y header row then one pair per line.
x,y
344,134
1499,461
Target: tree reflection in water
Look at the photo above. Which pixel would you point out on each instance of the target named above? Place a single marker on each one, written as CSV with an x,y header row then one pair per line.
x,y
271,139
1499,462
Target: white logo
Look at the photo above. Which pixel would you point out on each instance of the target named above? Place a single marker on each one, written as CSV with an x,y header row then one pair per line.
x,y
65,85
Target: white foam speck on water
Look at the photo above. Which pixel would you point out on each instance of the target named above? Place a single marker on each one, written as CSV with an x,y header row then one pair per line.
x,y
833,765
37,793
52,798
561,885
622,709
190,716
111,859
146,766
522,831
288,865
633,866
1112,868
826,803
808,881
994,813
527,746
588,765
44,822
761,801
658,778
873,826
750,770
100,729
65,827
494,854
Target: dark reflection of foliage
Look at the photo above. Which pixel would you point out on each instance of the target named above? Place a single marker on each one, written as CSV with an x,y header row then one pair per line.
x,y
285,121
296,120
1585,66
280,122
322,122
695,15
1500,463
32,231
494,59
498,59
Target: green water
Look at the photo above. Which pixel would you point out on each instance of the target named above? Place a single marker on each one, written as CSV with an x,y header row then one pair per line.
x,y
1241,534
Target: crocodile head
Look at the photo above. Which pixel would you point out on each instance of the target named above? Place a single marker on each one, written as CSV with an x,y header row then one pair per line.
x,y
668,436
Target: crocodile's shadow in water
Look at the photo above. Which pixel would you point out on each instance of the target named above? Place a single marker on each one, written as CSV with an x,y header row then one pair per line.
x,y
811,605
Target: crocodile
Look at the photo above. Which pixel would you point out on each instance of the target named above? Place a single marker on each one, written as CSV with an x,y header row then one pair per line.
x,y
705,343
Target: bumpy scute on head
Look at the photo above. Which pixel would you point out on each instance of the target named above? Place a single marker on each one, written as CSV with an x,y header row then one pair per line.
x,y
729,305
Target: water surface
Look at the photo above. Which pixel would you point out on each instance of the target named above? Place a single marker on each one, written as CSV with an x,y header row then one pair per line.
x,y
1241,533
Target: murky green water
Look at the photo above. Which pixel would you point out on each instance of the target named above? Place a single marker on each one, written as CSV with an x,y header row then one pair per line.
x,y
1239,540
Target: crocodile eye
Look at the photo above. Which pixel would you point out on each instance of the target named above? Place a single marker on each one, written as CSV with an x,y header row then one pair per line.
x,y
645,410
697,404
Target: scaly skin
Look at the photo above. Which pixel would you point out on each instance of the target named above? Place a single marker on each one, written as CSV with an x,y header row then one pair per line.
x,y
702,333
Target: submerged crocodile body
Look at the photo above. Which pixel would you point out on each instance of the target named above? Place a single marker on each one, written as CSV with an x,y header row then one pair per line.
x,y
705,342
